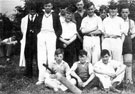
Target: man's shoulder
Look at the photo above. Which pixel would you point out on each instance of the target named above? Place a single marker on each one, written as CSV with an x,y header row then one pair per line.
x,y
25,17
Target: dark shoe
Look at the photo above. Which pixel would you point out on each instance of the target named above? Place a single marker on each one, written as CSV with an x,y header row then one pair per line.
x,y
115,90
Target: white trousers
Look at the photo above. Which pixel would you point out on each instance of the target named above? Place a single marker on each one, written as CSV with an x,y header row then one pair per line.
x,y
46,49
107,81
91,44
114,46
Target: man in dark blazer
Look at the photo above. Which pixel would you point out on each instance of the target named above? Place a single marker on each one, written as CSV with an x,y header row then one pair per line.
x,y
49,29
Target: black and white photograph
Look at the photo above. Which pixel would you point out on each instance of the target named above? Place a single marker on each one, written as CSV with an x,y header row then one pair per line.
x,y
67,46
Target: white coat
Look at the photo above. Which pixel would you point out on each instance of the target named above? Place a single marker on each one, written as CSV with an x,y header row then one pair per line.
x,y
24,24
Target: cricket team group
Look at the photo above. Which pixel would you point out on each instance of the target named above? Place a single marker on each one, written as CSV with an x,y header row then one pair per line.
x,y
89,50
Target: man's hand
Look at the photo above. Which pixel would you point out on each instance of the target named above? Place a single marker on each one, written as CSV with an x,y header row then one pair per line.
x,y
80,83
112,75
84,84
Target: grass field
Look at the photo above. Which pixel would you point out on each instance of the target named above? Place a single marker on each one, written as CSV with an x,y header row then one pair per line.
x,y
13,82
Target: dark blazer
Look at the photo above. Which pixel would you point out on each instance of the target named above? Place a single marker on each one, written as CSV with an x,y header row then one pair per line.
x,y
56,24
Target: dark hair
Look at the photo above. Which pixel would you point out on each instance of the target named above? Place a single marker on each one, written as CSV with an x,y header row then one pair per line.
x,y
82,52
113,6
89,5
31,6
48,1
71,8
59,51
124,6
104,52
103,7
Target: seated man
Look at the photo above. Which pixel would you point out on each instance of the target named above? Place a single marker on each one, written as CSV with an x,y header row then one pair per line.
x,y
110,72
8,44
58,66
83,72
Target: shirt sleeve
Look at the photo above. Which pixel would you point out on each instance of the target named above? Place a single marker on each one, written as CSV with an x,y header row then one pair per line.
x,y
74,67
132,28
67,68
74,28
122,26
91,69
83,24
100,24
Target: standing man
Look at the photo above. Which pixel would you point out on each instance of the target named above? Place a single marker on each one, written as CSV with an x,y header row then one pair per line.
x,y
91,27
29,40
50,29
79,15
113,33
127,45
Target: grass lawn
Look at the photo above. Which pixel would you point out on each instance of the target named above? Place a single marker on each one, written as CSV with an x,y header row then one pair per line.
x,y
12,81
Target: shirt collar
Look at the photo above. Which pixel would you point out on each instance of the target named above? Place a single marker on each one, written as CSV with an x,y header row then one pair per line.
x,y
92,16
127,20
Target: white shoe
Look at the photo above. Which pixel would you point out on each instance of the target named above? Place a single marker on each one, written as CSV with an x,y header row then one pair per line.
x,y
55,89
39,83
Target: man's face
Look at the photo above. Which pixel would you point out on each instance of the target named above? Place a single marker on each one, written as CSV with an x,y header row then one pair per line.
x,y
91,10
83,58
32,12
68,16
103,14
105,59
124,13
48,7
113,12
80,5
59,58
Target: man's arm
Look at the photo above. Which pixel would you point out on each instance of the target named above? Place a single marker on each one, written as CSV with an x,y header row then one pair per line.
x,y
84,28
89,79
121,68
72,72
91,73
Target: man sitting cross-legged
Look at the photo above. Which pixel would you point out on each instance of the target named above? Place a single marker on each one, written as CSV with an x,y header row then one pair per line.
x,y
109,72
83,72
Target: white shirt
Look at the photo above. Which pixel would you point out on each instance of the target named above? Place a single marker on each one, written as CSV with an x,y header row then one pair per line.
x,y
92,22
109,68
47,23
132,26
34,16
114,26
68,29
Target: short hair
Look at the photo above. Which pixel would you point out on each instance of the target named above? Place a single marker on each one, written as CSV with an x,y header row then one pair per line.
x,y
82,52
104,52
89,5
31,6
77,1
47,2
124,6
71,8
59,51
103,7
113,6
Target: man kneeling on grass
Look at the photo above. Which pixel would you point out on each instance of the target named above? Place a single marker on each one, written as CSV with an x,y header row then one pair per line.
x,y
110,72
84,74
58,66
